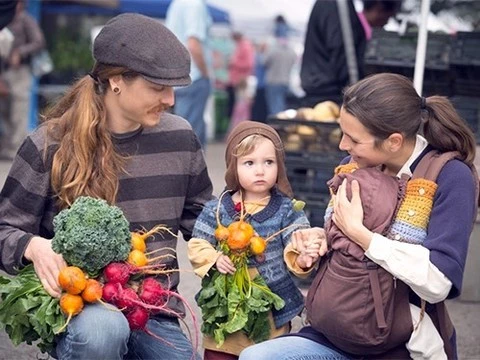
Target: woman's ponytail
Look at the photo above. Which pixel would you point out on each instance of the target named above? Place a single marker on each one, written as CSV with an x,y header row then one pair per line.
x,y
445,130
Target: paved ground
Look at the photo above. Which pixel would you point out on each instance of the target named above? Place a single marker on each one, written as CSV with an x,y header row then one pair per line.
x,y
465,315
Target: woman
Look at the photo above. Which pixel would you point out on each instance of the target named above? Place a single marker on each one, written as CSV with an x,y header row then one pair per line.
x,y
110,137
381,119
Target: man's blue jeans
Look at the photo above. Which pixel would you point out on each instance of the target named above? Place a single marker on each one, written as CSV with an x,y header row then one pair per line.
x,y
290,348
276,96
101,333
190,104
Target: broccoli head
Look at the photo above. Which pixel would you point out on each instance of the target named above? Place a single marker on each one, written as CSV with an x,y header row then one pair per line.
x,y
91,234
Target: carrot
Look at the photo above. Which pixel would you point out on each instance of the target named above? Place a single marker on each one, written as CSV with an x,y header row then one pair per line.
x,y
138,242
257,245
71,305
221,232
72,279
140,259
141,236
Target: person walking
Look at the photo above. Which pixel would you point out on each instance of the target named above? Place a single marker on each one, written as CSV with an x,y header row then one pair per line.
x,y
110,137
279,62
240,67
190,21
17,77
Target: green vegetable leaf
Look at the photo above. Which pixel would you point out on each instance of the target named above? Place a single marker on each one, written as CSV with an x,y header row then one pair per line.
x,y
27,312
231,303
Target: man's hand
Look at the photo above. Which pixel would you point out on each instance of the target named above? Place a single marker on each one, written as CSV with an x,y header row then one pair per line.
x,y
47,263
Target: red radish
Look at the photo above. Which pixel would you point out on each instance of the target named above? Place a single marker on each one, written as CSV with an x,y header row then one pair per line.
x,y
153,286
117,272
152,292
110,292
137,320
127,299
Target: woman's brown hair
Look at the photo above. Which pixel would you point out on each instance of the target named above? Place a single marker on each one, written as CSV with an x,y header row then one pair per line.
x,y
86,162
388,103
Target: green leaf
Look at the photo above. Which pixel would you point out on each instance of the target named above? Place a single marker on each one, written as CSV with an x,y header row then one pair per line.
x,y
27,312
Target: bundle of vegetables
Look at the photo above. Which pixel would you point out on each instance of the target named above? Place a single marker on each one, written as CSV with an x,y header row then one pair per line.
x,y
236,302
139,297
27,312
91,234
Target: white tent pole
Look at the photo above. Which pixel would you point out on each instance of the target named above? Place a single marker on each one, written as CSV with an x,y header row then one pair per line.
x,y
421,47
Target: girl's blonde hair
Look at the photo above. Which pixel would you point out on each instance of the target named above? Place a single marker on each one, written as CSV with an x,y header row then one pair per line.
x,y
247,145
86,162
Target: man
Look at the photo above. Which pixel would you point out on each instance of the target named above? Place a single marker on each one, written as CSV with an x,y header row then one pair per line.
x,y
279,62
324,71
190,21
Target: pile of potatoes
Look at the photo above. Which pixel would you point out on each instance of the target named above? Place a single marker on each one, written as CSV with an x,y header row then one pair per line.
x,y
313,138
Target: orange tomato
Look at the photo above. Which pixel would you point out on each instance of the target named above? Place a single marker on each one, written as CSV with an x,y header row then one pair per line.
x,y
221,233
72,280
257,245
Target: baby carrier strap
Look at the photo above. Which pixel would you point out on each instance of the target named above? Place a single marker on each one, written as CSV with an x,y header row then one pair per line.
x,y
428,168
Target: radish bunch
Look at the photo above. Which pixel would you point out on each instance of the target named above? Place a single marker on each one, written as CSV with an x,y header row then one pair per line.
x,y
139,301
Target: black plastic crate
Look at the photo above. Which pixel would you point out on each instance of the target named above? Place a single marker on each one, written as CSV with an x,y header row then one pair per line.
x,y
465,49
465,63
310,177
309,140
390,49
437,82
315,206
469,109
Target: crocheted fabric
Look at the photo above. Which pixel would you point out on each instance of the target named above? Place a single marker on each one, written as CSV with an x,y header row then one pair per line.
x,y
411,222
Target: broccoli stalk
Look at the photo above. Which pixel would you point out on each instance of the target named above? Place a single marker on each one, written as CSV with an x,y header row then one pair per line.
x,y
91,234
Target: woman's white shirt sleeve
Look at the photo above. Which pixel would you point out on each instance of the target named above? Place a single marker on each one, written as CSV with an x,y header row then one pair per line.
x,y
411,264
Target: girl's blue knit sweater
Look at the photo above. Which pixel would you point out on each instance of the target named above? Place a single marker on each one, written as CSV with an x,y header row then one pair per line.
x,y
278,214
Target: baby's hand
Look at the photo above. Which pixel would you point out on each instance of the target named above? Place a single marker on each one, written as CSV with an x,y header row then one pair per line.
x,y
225,265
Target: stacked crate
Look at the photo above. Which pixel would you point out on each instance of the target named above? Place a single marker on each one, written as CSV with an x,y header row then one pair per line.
x,y
394,53
465,69
312,153
452,66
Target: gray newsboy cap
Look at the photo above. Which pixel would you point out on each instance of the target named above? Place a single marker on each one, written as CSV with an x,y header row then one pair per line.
x,y
143,45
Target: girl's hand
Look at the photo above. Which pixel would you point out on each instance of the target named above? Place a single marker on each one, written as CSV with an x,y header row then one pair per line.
x,y
348,215
46,262
310,245
224,265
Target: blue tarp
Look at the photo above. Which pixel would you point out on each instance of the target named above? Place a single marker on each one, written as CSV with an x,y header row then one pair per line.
x,y
153,8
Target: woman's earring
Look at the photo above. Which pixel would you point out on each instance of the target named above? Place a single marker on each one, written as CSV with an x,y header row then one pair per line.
x,y
116,90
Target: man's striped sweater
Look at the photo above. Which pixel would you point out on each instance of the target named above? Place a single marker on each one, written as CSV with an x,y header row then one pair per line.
x,y
165,182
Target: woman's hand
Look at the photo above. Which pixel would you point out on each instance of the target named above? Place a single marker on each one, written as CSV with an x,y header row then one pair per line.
x,y
46,262
310,245
348,215
225,265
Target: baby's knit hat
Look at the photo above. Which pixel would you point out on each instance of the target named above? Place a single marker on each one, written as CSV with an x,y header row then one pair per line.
x,y
240,132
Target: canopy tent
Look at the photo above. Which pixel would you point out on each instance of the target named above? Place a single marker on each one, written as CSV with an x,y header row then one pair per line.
x,y
153,8
255,18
